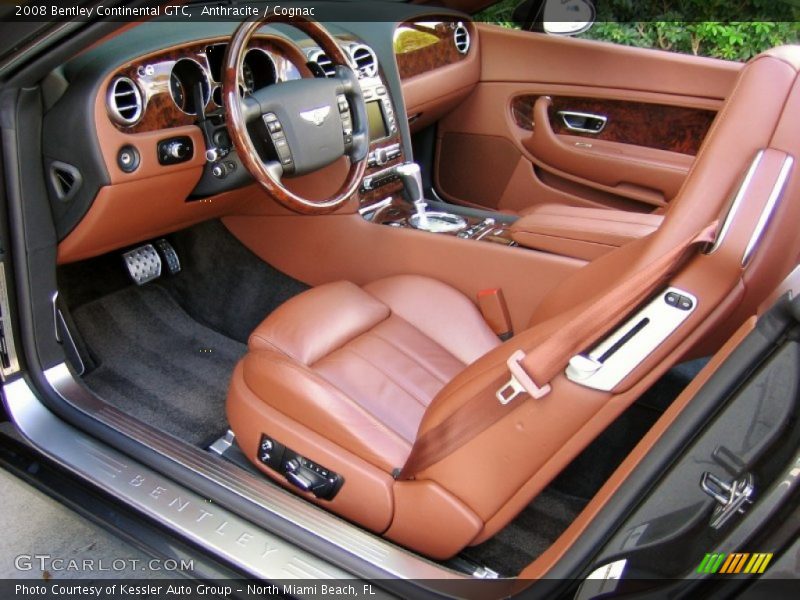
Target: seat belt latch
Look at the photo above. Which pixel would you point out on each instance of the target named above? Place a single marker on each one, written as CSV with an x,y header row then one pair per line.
x,y
520,382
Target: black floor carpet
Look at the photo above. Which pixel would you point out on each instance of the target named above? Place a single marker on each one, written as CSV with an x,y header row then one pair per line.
x,y
158,364
530,534
164,352
223,285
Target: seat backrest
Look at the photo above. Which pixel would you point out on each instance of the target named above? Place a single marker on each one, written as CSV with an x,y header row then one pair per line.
x,y
519,454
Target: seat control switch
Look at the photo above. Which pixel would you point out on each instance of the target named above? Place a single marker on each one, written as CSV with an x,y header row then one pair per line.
x,y
304,474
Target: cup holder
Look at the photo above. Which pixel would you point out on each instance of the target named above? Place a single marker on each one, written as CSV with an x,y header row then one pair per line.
x,y
438,222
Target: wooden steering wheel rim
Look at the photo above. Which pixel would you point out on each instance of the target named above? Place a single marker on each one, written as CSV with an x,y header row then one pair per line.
x,y
237,126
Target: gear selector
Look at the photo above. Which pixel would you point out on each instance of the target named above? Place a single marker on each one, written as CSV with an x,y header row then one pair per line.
x,y
435,221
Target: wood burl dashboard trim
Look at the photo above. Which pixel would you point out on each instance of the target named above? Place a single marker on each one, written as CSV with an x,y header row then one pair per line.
x,y
432,45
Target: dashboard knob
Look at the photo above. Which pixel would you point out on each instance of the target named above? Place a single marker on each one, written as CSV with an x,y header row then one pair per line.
x,y
216,153
176,149
381,156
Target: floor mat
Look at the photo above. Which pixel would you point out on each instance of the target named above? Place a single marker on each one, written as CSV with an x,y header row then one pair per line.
x,y
223,285
529,534
158,364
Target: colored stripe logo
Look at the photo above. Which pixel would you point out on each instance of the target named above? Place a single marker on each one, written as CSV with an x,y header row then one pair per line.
x,y
737,562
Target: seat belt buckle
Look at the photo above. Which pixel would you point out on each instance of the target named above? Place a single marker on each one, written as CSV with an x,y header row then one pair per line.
x,y
520,382
494,309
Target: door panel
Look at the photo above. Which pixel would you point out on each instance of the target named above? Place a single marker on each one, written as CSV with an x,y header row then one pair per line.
x,y
508,147
644,174
673,128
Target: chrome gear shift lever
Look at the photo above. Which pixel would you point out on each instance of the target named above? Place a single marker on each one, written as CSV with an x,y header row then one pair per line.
x,y
411,177
435,221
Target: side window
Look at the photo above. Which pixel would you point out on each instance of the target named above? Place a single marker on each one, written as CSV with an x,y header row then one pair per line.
x,y
687,26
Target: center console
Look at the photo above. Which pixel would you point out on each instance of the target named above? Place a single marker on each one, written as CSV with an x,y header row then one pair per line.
x,y
396,199
391,192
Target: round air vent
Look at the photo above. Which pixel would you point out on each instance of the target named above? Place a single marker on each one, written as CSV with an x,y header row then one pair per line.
x,y
365,61
325,63
461,38
124,101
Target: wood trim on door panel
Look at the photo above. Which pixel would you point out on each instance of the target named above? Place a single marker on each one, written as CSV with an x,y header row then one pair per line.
x,y
486,112
644,174
515,63
660,126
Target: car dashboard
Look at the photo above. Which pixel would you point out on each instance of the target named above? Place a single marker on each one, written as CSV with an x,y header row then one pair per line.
x,y
135,139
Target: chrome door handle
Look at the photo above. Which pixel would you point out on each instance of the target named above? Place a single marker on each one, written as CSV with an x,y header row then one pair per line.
x,y
583,122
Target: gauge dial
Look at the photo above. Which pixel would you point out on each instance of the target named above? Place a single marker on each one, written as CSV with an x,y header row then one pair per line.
x,y
248,78
188,86
258,70
177,91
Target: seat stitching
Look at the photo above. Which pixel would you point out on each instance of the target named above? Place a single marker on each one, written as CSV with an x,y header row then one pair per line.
x,y
323,381
349,340
411,357
392,313
389,377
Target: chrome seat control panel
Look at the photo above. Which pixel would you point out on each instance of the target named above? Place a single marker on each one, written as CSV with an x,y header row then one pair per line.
x,y
302,473
611,361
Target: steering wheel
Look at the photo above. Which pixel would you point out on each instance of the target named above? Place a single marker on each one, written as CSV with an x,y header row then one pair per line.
x,y
310,122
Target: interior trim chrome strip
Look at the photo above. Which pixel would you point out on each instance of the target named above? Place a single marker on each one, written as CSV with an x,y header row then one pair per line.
x,y
6,330
392,560
769,208
733,207
375,206
228,536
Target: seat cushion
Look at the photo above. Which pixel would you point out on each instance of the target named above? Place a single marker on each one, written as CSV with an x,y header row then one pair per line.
x,y
360,366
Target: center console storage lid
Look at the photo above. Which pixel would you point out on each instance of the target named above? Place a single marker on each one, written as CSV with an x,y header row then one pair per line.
x,y
584,233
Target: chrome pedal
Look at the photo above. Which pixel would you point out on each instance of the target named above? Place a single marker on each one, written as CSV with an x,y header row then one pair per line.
x,y
143,264
170,256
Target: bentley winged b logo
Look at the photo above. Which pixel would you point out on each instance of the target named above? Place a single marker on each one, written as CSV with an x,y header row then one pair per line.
x,y
316,115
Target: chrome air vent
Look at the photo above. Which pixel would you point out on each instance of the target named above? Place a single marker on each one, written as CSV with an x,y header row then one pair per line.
x,y
365,61
325,63
124,101
461,38
362,59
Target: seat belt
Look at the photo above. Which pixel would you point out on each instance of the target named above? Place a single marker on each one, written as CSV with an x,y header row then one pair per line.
x,y
543,363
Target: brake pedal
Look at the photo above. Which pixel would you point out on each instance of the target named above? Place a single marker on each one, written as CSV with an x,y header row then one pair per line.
x,y
143,264
170,256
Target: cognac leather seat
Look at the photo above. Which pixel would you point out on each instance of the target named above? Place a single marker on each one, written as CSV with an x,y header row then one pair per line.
x,y
360,366
351,377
